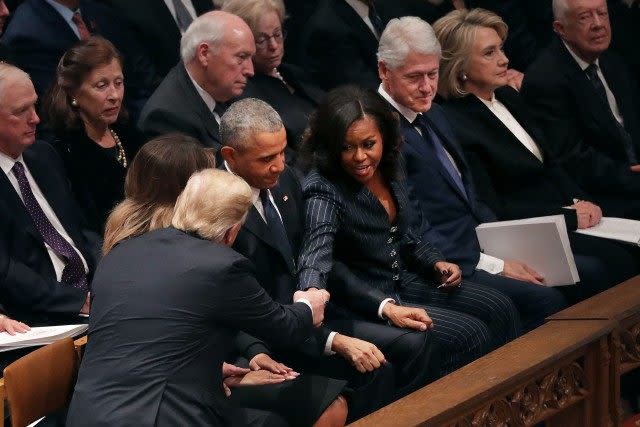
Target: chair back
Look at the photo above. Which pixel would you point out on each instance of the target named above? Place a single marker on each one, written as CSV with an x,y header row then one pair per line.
x,y
41,383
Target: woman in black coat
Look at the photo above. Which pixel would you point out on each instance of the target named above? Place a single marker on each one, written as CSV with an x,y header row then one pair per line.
x,y
364,241
512,168
286,87
84,110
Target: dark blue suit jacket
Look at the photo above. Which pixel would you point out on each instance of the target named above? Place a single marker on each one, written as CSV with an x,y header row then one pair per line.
x,y
29,290
38,36
450,217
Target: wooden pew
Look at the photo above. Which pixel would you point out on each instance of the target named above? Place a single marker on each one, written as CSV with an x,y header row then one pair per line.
x,y
79,344
558,373
620,304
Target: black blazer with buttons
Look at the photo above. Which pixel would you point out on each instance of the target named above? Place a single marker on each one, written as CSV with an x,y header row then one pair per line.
x,y
351,248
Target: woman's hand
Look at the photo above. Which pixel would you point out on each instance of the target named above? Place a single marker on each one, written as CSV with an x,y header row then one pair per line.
x,y
265,362
450,274
11,326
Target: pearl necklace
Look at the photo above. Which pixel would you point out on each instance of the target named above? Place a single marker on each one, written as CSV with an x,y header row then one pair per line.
x,y
121,156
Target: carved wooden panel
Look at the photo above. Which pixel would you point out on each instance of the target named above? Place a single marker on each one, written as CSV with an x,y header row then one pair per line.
x,y
630,344
533,401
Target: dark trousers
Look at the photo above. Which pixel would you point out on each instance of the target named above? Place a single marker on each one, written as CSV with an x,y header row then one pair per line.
x,y
412,354
601,264
469,321
534,302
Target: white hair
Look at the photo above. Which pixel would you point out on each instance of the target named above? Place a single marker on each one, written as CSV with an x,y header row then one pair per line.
x,y
404,35
560,8
245,118
212,202
208,28
12,73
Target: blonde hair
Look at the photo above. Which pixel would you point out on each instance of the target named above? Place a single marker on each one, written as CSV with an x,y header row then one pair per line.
x,y
456,32
155,178
252,10
211,203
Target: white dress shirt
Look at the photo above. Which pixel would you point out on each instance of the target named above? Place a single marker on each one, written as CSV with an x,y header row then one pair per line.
x,y
187,4
611,100
507,119
363,11
6,163
486,262
67,15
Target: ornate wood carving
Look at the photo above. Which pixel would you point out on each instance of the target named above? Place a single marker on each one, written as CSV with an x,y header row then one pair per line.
x,y
527,404
630,344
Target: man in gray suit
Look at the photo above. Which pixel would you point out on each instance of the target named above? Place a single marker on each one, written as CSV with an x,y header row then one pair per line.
x,y
216,53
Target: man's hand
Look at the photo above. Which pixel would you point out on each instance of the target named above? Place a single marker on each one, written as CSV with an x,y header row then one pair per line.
x,y
450,274
87,304
407,317
230,373
457,4
635,168
265,362
515,78
588,214
11,326
318,299
363,355
521,271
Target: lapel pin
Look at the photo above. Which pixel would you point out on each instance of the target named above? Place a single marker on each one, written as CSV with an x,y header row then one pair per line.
x,y
285,198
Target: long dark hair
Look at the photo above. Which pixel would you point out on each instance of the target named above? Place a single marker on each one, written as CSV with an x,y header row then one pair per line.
x,y
324,138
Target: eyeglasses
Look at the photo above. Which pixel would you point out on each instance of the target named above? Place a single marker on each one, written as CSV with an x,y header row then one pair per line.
x,y
263,40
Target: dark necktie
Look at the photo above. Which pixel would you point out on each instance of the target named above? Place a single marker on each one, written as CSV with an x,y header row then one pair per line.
x,y
73,273
83,32
433,141
594,78
274,222
375,19
183,17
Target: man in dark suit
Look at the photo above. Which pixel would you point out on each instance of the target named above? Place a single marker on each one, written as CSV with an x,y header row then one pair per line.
x,y
158,26
46,259
254,142
339,43
40,31
432,155
190,99
587,102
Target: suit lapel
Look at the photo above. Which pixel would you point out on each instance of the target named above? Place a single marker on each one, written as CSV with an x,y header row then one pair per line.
x,y
208,121
353,20
585,93
55,20
256,226
8,194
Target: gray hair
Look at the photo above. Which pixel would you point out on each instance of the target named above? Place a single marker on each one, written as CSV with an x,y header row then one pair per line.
x,y
404,35
560,8
245,118
211,203
208,28
8,71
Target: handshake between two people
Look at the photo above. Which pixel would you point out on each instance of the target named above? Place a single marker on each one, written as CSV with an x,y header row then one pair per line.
x,y
317,299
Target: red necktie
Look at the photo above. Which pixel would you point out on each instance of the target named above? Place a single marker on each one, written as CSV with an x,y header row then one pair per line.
x,y
82,28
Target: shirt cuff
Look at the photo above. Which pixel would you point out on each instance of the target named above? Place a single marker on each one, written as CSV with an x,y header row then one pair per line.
x,y
307,302
490,264
382,304
329,344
